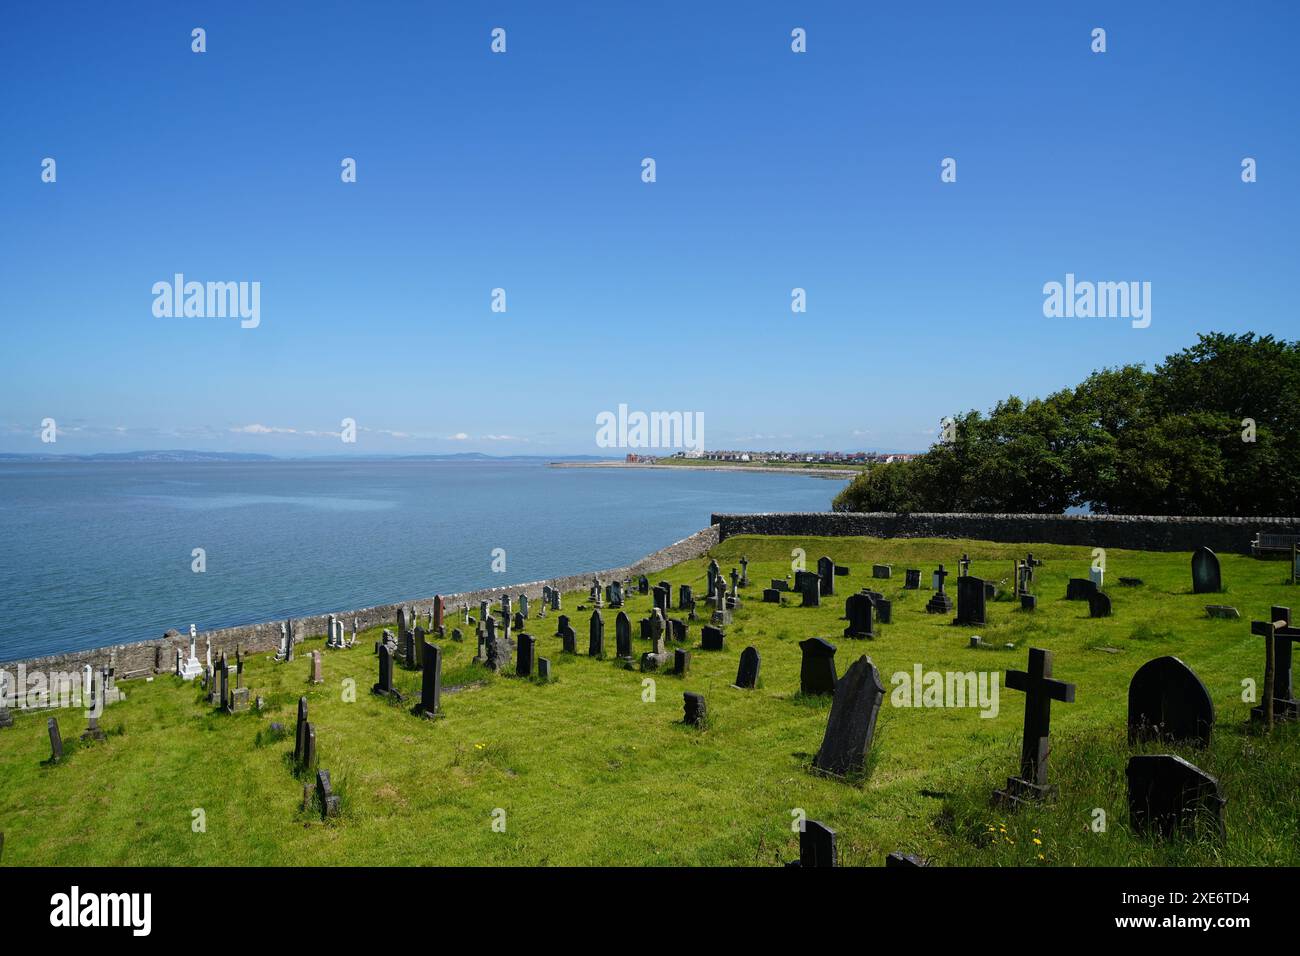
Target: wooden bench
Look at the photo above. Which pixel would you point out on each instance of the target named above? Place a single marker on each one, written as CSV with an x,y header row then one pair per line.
x,y
1273,543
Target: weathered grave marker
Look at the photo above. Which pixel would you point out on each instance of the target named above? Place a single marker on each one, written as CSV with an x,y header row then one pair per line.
x,y
1166,700
747,674
852,722
1040,689
1206,578
817,670
1168,795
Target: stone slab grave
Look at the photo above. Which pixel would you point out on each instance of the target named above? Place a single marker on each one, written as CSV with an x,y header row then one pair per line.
x,y
816,846
1040,689
384,686
747,673
712,639
882,570
1167,701
316,676
859,609
1079,589
817,668
826,572
695,710
912,579
1206,578
1223,612
780,584
1028,602
527,655
329,800
300,733
681,662
543,669
430,703
882,607
940,602
568,636
1167,796
809,589
852,722
623,637
971,597
596,636
771,596
841,570
1278,636
1099,604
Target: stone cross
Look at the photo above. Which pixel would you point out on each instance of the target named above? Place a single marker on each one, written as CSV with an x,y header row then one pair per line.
x,y
1278,635
1040,689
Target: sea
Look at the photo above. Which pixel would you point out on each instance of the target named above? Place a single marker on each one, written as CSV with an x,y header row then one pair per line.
x,y
98,553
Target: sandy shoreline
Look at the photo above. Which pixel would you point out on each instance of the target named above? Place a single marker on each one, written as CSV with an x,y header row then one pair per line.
x,y
811,472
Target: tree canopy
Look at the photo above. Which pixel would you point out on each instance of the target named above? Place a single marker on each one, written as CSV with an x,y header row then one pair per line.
x,y
1212,430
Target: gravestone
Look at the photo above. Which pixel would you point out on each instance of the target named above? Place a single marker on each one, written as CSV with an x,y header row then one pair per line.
x,y
568,636
852,722
912,579
906,861
523,607
696,711
711,639
1098,604
1167,795
940,602
56,740
519,621
1028,602
744,571
384,686
623,636
826,572
882,607
643,585
308,747
1040,689
316,676
1098,577
681,662
817,670
971,596
676,629
1079,589
771,596
750,663
810,591
497,648
439,611
1205,572
1223,612
841,571
780,584
596,642
1279,633
329,800
430,682
300,733
816,845
859,610
543,670
1166,700
685,597
527,655
882,570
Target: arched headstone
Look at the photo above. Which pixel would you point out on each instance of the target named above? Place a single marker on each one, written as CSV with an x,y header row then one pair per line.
x,y
1205,572
1166,700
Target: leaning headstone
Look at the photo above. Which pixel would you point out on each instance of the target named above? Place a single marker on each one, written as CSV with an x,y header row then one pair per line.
x,y
329,800
816,846
430,682
696,710
1166,700
1098,604
569,636
817,671
852,722
747,675
859,609
971,596
1205,572
1040,689
1167,795
56,740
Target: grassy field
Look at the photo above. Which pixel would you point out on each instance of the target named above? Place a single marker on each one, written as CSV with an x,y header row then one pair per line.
x,y
589,772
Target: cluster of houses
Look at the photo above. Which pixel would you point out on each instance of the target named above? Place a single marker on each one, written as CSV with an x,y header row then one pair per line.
x,y
804,457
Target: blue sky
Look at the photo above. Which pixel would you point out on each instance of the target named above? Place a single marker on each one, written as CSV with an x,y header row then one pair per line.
x,y
522,171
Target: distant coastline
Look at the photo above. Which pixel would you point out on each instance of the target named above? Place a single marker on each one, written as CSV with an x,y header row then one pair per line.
x,y
817,472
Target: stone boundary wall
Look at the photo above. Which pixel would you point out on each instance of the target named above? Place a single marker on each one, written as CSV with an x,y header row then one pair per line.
x,y
158,656
1137,532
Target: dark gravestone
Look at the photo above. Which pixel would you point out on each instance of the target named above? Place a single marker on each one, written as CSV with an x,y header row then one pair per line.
x,y
385,684
300,732
684,597
912,579
1098,604
560,624
1168,795
1040,689
711,638
841,571
1028,602
543,670
852,722
431,681
1278,632
329,801
817,671
771,596
663,598
56,740
971,596
681,662
882,570
810,591
817,845
1079,589
859,609
800,577
308,747
1166,700
623,637
1205,572
696,711
527,655
643,585
747,674
569,637
677,629
596,639
940,602
780,584
497,649
883,608
826,572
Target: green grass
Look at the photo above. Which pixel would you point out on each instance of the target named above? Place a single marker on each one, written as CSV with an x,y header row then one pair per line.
x,y
587,772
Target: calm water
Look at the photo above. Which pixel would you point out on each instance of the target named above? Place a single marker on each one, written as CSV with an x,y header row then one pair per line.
x,y
100,553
